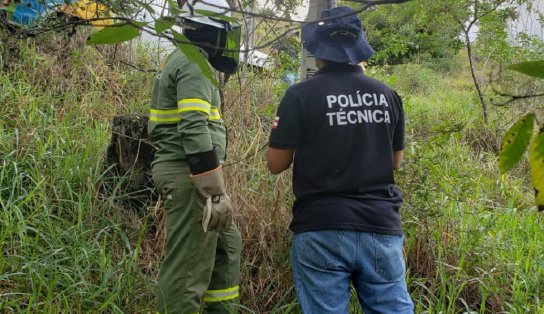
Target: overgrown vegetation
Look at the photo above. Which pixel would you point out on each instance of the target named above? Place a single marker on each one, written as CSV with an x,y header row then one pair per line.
x,y
473,237
410,32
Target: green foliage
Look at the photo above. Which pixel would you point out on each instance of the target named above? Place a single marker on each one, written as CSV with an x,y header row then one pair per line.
x,y
116,33
122,32
446,65
531,68
492,41
288,52
412,79
473,243
66,246
217,16
140,5
10,8
529,47
175,10
164,23
411,32
536,162
461,217
515,142
285,7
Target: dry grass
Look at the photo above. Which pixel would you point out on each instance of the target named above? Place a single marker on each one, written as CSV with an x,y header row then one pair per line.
x,y
448,190
263,201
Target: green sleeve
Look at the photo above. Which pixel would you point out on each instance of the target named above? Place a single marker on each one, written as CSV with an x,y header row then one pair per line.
x,y
218,130
194,96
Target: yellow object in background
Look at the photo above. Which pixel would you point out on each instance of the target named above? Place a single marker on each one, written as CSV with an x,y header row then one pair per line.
x,y
89,10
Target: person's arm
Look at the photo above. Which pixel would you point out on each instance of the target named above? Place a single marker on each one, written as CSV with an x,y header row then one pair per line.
x,y
397,159
197,106
194,97
285,134
398,135
278,160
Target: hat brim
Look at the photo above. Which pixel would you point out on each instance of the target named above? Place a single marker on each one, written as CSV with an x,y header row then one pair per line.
x,y
359,52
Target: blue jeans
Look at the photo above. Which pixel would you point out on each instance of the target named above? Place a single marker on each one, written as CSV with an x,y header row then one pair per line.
x,y
325,262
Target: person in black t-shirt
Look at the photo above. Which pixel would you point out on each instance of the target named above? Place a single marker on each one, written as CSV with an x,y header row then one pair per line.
x,y
344,133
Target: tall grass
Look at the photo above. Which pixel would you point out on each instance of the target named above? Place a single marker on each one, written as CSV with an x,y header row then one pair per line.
x,y
473,237
468,228
65,247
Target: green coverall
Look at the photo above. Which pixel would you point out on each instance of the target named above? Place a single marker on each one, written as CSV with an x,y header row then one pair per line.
x,y
200,269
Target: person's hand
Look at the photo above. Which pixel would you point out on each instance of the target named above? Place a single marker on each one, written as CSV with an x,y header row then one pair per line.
x,y
217,214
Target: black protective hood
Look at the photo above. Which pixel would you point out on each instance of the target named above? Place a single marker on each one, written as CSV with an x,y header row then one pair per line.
x,y
219,38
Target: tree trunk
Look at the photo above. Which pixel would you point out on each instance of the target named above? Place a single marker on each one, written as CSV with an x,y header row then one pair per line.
x,y
129,157
473,74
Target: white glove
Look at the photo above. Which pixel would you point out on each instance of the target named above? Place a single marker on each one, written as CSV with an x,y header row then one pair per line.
x,y
217,214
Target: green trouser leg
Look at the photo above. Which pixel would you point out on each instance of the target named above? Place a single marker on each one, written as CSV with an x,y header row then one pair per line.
x,y
222,294
198,266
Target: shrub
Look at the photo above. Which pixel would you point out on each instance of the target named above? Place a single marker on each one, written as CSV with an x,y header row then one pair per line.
x,y
415,79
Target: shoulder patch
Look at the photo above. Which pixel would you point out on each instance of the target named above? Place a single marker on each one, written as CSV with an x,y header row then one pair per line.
x,y
275,123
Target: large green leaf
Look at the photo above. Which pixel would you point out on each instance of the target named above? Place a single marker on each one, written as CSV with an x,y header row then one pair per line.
x,y
515,142
531,68
116,33
173,7
164,23
194,55
217,15
536,164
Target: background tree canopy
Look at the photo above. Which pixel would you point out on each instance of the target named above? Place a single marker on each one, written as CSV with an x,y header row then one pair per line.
x,y
411,32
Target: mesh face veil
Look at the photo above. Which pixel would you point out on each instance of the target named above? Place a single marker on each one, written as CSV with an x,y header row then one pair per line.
x,y
228,60
217,35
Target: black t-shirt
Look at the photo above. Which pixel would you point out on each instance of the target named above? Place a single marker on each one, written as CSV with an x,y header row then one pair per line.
x,y
344,127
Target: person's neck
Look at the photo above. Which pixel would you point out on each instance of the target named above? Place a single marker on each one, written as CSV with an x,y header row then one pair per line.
x,y
322,63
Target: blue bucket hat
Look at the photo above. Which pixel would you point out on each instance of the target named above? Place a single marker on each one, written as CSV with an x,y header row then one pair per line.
x,y
341,39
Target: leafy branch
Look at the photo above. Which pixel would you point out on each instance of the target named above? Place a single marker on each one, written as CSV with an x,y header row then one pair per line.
x,y
478,10
522,134
129,28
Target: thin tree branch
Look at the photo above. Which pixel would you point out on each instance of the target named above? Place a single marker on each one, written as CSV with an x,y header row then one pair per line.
x,y
497,5
135,66
513,98
366,5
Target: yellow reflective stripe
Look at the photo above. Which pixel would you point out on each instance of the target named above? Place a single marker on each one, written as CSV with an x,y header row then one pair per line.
x,y
184,105
191,104
222,294
214,114
194,100
194,108
166,116
163,111
164,120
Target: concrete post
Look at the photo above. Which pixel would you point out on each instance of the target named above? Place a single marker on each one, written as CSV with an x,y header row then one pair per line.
x,y
307,65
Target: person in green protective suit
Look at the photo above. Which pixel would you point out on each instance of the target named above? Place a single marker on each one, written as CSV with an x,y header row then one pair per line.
x,y
201,267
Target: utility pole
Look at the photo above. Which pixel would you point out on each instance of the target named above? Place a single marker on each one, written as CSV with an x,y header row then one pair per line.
x,y
251,26
307,65
249,40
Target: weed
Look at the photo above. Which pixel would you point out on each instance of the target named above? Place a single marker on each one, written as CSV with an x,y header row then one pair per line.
x,y
473,238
